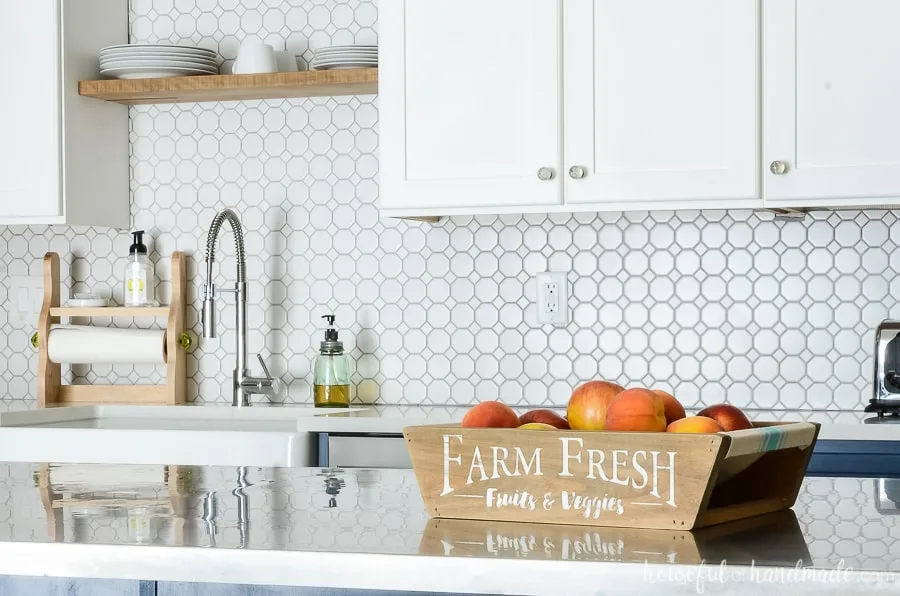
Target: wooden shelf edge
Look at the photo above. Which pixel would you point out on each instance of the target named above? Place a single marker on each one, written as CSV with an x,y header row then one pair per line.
x,y
109,311
285,85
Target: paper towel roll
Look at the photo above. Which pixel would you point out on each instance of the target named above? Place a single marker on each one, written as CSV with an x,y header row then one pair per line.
x,y
74,344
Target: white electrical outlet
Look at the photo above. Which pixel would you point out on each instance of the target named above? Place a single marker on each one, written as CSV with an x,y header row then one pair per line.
x,y
25,297
552,299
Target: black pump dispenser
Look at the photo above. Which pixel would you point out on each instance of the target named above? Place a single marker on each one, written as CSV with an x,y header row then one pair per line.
x,y
331,345
138,247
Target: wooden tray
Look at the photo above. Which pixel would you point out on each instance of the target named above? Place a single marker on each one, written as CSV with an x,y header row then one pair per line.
x,y
620,479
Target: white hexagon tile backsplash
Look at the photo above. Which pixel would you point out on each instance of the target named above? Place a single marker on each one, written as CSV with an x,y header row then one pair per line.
x,y
770,314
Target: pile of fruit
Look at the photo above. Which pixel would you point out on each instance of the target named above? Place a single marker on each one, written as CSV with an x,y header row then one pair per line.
x,y
601,405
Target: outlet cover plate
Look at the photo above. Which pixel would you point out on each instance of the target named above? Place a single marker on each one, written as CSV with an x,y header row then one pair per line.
x,y
552,299
25,297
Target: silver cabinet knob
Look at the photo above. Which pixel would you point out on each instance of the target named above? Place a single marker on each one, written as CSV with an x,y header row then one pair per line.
x,y
778,168
546,174
577,172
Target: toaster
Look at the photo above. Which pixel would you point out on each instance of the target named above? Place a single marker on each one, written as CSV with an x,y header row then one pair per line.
x,y
886,387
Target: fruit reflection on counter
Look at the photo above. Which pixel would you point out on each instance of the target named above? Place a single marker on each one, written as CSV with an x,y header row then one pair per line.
x,y
604,405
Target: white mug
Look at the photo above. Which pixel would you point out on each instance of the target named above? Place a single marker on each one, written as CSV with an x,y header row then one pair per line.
x,y
255,58
286,61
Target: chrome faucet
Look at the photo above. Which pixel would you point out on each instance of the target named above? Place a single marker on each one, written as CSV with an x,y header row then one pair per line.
x,y
244,384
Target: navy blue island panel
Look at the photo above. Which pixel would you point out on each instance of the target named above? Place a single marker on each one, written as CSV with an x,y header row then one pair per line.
x,y
830,458
54,586
855,458
189,589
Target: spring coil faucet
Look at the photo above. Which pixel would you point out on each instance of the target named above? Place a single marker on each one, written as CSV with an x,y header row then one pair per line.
x,y
244,385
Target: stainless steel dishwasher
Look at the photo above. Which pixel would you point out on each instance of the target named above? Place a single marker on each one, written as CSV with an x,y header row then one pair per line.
x,y
368,450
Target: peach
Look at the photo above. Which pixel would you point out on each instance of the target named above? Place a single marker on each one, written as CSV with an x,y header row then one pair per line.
x,y
544,416
695,424
729,417
588,404
537,426
673,407
490,414
636,410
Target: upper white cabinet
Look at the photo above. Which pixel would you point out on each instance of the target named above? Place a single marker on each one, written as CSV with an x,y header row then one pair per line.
x,y
638,104
662,103
532,106
63,158
29,145
832,94
470,108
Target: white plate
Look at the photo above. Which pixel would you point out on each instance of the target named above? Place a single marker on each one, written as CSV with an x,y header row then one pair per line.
x,y
94,302
347,56
350,47
204,70
152,73
356,50
326,66
340,62
157,59
346,59
345,53
176,55
150,56
345,64
158,64
156,48
159,50
340,66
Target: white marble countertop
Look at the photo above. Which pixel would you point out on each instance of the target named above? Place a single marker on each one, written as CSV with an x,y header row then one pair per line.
x,y
366,529
391,419
836,425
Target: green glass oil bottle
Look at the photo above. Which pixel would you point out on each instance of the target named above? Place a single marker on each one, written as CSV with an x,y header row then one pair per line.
x,y
331,381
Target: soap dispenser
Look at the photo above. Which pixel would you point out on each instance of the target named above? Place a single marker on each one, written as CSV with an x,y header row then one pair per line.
x,y
139,279
331,383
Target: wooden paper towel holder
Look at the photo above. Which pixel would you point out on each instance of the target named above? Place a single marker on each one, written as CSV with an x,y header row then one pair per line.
x,y
51,391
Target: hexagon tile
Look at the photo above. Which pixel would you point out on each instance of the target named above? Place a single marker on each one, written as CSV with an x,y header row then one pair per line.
x,y
709,305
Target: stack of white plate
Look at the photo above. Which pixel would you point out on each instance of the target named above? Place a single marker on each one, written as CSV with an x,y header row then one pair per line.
x,y
145,61
353,56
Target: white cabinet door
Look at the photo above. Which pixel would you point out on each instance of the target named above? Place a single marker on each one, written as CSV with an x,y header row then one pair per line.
x,y
662,103
832,102
469,96
29,110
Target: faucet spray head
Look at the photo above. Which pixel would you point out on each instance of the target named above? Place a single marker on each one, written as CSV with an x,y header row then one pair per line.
x,y
208,315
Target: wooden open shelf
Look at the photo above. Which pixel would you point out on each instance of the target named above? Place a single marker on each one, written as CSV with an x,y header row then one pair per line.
x,y
110,311
314,83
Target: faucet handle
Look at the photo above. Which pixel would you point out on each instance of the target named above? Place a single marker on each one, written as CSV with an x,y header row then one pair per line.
x,y
262,363
274,388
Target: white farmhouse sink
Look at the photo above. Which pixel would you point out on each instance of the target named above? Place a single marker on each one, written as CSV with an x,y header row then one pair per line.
x,y
176,435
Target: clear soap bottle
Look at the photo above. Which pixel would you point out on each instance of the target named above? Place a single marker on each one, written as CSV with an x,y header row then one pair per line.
x,y
331,382
139,278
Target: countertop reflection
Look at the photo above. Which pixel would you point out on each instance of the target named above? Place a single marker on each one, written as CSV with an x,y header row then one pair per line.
x,y
837,521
